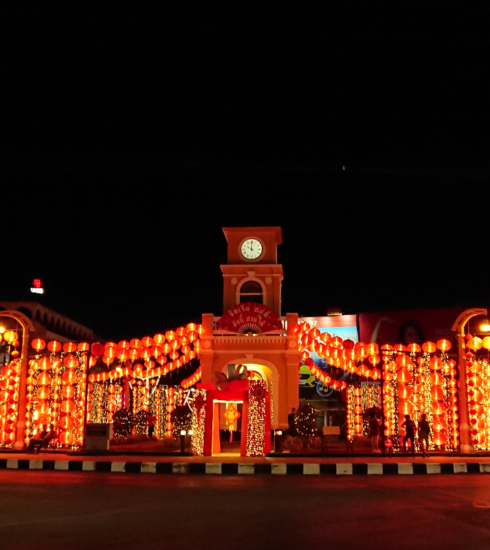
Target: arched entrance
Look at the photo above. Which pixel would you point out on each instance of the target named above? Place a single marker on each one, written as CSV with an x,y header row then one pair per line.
x,y
267,371
13,375
248,396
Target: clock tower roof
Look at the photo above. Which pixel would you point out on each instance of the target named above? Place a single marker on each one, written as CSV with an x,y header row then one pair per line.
x,y
254,276
276,232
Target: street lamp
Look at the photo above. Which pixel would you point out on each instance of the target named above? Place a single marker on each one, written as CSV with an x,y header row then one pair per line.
x,y
183,433
485,325
277,434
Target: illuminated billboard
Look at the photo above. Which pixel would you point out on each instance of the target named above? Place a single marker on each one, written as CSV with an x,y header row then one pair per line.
x,y
344,326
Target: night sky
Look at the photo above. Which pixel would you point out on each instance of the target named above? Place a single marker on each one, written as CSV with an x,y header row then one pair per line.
x,y
130,139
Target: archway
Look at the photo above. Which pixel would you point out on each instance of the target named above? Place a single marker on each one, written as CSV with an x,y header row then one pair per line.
x,y
19,410
269,373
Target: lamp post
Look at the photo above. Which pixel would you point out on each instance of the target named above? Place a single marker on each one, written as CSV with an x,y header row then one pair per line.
x,y
277,434
183,433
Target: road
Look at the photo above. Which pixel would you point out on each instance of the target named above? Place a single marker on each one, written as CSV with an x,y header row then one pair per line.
x,y
51,510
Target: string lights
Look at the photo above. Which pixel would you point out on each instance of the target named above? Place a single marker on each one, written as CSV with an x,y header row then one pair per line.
x,y
478,390
193,379
256,418
198,422
56,392
170,408
9,388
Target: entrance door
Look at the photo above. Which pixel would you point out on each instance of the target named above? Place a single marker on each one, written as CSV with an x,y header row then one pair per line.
x,y
226,442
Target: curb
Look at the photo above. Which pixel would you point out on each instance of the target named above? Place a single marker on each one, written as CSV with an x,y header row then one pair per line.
x,y
177,468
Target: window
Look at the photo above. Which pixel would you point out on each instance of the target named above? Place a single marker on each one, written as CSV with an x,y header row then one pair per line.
x,y
251,291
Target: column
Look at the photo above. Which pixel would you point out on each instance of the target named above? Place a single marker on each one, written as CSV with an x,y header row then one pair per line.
x,y
464,425
21,418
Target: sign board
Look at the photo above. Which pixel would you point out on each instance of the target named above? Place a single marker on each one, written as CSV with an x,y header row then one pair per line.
x,y
97,436
331,430
37,287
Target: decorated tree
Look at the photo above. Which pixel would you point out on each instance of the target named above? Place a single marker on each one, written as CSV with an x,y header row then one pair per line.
x,y
305,421
181,419
140,423
123,423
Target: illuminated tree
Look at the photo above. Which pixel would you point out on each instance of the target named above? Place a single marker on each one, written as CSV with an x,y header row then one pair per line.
x,y
181,419
123,423
305,421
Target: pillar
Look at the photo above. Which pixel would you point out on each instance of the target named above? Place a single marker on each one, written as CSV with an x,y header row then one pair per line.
x,y
21,407
206,355
291,396
464,425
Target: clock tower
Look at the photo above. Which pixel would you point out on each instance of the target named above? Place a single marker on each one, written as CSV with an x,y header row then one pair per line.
x,y
252,273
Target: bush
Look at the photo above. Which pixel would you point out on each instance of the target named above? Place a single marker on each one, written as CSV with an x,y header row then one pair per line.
x,y
315,443
297,446
170,444
287,444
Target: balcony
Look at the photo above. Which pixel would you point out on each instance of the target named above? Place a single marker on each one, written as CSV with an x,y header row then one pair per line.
x,y
272,333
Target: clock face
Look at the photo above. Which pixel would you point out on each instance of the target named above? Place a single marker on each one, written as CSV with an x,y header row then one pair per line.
x,y
251,249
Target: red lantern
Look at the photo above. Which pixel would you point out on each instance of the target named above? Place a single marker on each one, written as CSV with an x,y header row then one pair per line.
x,y
44,379
44,363
133,354
414,348
429,347
69,347
435,364
147,341
11,336
372,348
403,361
97,349
70,361
54,346
158,339
475,343
443,345
404,376
38,344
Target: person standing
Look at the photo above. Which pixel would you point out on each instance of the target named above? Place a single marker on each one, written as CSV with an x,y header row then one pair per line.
x,y
374,428
409,426
151,420
424,432
292,422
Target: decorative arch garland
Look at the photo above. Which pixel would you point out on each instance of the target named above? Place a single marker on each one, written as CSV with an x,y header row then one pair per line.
x,y
9,390
415,381
192,380
478,390
56,392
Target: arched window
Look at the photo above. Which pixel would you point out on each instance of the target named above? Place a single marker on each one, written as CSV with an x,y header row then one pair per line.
x,y
251,291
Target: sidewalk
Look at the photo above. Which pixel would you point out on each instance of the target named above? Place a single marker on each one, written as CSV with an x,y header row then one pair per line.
x,y
230,465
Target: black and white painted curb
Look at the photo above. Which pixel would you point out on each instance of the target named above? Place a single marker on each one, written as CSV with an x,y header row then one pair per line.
x,y
246,469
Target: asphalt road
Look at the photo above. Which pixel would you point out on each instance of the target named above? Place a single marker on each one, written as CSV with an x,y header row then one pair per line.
x,y
50,510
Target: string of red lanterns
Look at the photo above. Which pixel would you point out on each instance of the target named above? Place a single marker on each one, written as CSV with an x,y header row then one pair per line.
x,y
193,379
